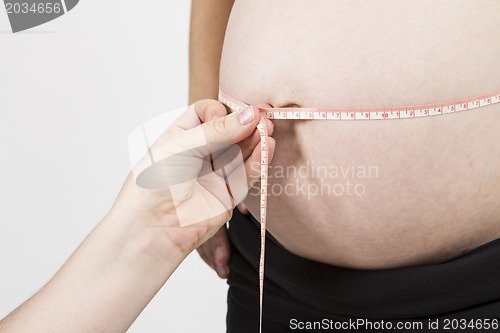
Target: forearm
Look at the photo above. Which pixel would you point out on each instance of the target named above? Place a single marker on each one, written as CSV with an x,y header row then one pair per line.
x,y
103,287
208,26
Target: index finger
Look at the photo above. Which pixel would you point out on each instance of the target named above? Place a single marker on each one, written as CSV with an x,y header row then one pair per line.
x,y
198,113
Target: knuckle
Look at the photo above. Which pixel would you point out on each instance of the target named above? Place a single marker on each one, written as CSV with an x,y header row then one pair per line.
x,y
221,126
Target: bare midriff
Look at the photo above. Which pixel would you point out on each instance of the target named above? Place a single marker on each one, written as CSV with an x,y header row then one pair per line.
x,y
382,193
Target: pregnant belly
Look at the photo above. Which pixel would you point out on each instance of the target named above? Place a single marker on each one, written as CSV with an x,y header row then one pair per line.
x,y
374,194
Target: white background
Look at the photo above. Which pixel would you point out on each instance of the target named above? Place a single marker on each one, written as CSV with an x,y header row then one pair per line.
x,y
70,93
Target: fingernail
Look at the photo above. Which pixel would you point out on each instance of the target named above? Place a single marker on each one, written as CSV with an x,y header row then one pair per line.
x,y
219,255
246,115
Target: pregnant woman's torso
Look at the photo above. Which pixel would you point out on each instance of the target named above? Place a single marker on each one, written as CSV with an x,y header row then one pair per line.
x,y
389,193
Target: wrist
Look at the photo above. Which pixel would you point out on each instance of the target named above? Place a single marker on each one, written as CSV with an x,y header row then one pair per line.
x,y
145,246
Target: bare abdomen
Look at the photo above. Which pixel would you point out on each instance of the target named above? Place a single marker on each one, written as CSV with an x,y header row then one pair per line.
x,y
421,190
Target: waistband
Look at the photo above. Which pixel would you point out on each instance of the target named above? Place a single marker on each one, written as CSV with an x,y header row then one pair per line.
x,y
467,285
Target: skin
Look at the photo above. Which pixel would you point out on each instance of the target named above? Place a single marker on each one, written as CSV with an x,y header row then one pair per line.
x,y
435,194
128,257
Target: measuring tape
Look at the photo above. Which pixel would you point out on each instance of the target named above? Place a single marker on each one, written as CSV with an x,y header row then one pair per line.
x,y
377,113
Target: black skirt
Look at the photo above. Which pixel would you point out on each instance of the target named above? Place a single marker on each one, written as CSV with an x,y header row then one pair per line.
x,y
300,295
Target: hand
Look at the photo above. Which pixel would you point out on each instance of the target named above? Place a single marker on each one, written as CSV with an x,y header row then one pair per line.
x,y
216,252
130,255
157,213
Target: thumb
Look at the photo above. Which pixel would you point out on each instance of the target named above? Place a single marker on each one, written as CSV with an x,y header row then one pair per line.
x,y
234,127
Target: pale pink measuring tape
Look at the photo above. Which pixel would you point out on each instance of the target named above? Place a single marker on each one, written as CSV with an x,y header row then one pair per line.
x,y
382,113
